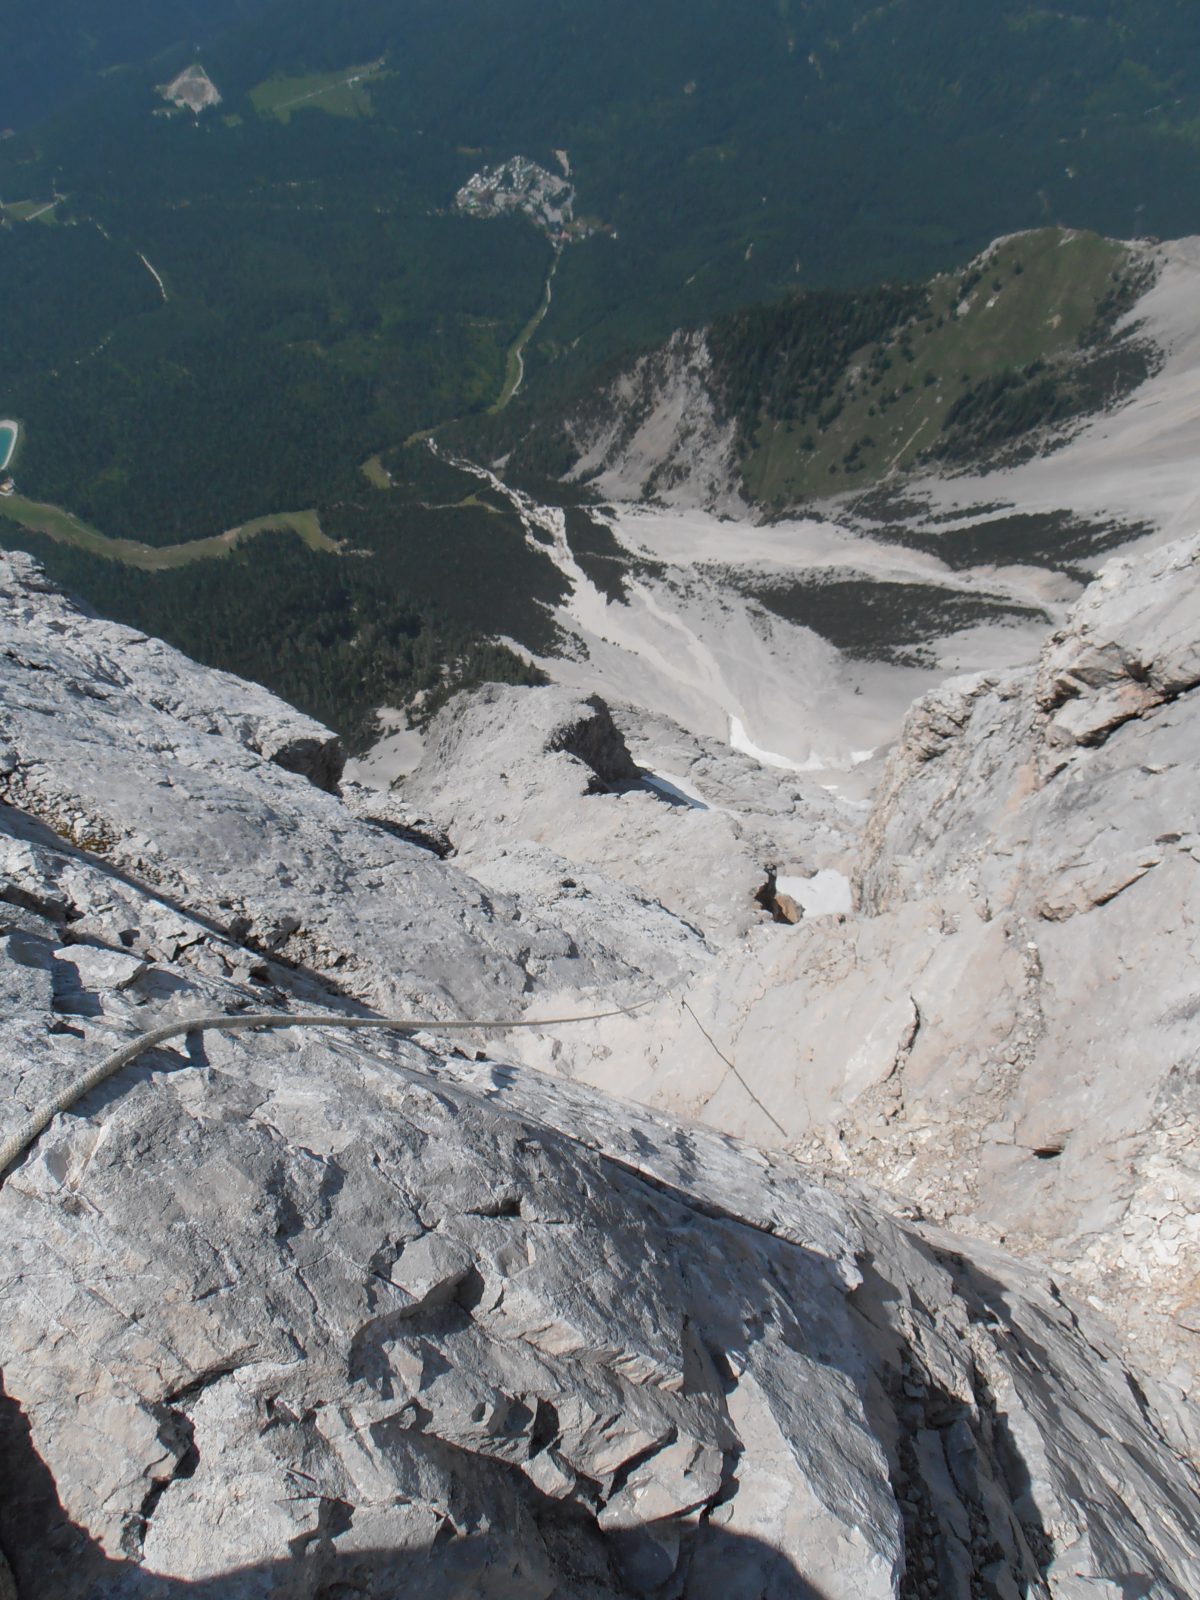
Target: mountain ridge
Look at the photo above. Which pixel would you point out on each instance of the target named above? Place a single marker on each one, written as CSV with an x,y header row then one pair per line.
x,y
788,404
399,1316
438,558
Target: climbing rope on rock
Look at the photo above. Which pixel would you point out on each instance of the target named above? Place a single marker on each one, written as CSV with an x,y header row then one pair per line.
x,y
27,1132
770,1115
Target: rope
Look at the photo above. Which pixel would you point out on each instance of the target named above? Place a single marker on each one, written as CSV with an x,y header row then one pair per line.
x,y
27,1132
731,1067
16,1145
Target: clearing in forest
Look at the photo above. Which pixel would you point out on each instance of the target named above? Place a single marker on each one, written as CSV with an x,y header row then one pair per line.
x,y
342,94
66,528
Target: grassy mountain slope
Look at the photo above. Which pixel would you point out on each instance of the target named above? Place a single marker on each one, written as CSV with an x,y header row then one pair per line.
x,y
971,365
827,391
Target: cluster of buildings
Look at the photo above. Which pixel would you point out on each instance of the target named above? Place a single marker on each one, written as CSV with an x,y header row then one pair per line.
x,y
521,185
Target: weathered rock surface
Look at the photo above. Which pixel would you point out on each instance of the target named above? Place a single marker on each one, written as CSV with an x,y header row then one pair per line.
x,y
35,615
289,1314
295,1314
655,433
104,737
1006,1033
545,774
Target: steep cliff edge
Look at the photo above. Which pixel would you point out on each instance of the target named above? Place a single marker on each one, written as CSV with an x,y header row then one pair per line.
x,y
1004,1031
104,738
292,1314
658,433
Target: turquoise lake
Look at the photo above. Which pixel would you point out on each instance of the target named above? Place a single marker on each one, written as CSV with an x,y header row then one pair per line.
x,y
8,440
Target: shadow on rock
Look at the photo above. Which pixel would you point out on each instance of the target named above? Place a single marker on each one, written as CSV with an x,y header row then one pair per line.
x,y
722,1566
52,1558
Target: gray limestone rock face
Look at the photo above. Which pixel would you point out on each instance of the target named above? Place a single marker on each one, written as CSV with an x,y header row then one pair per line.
x,y
1131,647
171,773
544,770
544,722
35,615
1060,805
304,1314
1005,1033
595,740
295,1314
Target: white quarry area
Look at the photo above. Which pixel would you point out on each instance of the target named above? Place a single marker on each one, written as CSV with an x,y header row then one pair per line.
x,y
193,90
520,185
315,1314
774,688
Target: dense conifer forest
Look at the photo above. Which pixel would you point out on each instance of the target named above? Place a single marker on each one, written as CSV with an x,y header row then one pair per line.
x,y
216,316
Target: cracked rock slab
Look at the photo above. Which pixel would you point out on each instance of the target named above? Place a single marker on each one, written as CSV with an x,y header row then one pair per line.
x,y
1004,1033
287,1314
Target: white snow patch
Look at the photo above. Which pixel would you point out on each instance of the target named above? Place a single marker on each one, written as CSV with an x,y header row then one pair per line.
x,y
741,741
678,789
826,894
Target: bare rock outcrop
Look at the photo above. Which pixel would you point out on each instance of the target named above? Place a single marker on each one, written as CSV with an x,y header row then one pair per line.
x,y
1132,646
291,1315
545,776
656,434
106,738
1005,1033
36,616
303,1314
